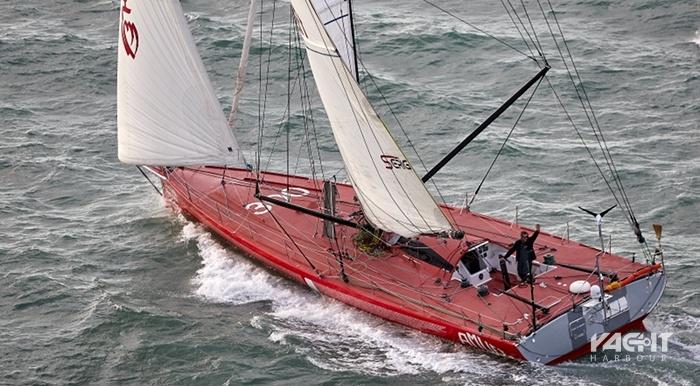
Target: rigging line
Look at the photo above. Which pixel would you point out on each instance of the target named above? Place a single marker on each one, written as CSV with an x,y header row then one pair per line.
x,y
334,174
478,29
367,120
289,90
583,142
308,101
541,51
279,130
304,91
149,180
267,70
517,28
612,191
295,244
306,144
297,159
306,140
355,47
527,103
573,82
403,130
277,136
608,157
282,124
527,32
259,138
286,112
566,45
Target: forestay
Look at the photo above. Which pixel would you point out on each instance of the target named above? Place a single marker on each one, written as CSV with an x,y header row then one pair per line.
x,y
337,19
391,194
167,112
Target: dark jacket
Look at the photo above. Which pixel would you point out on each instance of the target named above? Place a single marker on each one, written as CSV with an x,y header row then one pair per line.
x,y
524,253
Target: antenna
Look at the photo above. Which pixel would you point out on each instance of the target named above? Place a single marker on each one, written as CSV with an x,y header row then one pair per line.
x,y
599,224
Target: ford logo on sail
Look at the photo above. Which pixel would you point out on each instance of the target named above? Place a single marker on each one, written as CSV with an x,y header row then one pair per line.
x,y
395,162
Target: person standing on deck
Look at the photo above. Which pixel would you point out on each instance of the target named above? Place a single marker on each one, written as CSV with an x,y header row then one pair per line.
x,y
524,253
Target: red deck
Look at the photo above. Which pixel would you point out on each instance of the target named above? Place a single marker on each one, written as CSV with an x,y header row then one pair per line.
x,y
393,284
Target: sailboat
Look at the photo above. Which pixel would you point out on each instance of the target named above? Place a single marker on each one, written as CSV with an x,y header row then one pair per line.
x,y
380,242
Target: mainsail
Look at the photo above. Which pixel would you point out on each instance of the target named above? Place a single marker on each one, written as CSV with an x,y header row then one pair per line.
x,y
336,17
167,112
391,194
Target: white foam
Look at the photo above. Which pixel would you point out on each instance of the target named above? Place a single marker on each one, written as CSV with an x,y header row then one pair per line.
x,y
680,325
696,40
226,277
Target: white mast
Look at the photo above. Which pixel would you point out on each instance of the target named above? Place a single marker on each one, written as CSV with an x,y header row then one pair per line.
x,y
240,76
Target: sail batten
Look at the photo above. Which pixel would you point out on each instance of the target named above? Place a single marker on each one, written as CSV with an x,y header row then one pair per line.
x,y
167,111
336,17
391,194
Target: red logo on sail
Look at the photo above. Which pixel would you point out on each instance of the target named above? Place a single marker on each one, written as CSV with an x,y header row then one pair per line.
x,y
130,35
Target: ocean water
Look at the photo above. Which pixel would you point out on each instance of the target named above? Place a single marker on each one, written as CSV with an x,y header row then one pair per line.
x,y
100,283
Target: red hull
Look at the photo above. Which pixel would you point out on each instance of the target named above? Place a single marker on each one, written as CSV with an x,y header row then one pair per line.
x,y
392,284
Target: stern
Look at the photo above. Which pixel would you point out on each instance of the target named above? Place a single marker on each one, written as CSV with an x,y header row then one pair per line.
x,y
568,336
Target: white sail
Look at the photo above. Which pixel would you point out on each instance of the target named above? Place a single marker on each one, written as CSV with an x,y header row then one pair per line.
x,y
337,20
392,196
167,112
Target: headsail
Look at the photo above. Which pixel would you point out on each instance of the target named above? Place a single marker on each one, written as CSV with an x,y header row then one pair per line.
x,y
336,17
392,195
167,112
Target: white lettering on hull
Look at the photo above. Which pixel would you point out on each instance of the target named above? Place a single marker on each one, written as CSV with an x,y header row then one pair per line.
x,y
475,341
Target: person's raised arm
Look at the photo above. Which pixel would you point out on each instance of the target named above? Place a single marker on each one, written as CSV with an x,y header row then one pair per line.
x,y
531,240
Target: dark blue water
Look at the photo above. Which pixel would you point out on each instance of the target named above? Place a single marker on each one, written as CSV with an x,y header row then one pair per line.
x,y
100,283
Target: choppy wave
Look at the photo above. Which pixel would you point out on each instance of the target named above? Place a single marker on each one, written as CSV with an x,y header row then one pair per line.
x,y
101,284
